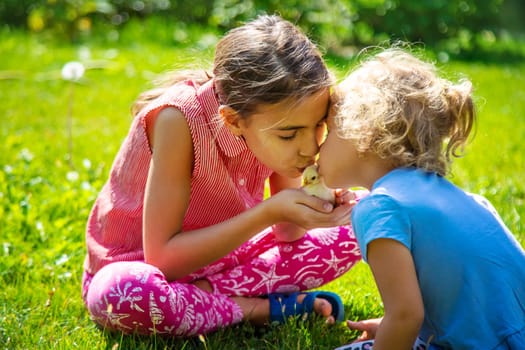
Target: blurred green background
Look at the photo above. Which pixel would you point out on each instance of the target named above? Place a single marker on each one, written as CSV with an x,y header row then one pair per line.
x,y
459,28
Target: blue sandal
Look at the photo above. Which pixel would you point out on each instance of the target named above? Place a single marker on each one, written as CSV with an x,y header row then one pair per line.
x,y
283,306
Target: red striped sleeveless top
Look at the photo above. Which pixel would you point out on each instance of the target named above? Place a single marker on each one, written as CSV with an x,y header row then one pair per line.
x,y
227,178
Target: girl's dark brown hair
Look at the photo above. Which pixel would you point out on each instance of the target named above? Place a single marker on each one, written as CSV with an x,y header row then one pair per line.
x,y
265,61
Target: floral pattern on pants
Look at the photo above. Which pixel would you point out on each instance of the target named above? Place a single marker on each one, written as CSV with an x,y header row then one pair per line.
x,y
132,296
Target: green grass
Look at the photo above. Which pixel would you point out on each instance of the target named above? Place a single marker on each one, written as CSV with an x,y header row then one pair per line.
x,y
45,202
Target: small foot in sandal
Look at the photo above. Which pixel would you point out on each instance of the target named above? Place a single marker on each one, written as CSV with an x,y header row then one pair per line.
x,y
283,306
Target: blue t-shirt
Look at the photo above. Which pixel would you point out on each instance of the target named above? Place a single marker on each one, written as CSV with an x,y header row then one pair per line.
x,y
470,268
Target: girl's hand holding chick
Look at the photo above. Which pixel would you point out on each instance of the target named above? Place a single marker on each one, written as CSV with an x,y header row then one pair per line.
x,y
314,185
296,212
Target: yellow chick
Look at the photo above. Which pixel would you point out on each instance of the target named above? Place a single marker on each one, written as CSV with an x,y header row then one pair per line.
x,y
314,185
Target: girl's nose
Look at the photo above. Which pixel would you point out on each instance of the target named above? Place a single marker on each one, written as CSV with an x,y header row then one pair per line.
x,y
309,148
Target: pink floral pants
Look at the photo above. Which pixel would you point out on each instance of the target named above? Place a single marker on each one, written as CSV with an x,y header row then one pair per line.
x,y
132,296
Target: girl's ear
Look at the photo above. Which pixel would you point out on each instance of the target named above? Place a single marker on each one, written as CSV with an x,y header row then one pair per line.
x,y
231,119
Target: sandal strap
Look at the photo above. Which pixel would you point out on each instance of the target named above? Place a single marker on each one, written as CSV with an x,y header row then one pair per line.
x,y
282,306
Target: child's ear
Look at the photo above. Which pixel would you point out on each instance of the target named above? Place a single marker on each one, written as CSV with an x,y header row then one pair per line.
x,y
230,118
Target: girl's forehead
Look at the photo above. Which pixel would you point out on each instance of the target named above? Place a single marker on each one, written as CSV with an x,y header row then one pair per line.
x,y
293,113
275,120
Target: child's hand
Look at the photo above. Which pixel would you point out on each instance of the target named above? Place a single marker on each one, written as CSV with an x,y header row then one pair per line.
x,y
367,327
344,196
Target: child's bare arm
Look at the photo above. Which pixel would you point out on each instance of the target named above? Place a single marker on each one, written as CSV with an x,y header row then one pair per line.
x,y
393,269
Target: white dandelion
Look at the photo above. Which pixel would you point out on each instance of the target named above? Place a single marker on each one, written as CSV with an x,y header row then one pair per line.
x,y
73,71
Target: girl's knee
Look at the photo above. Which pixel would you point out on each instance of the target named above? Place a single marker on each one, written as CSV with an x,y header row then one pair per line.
x,y
123,277
134,297
118,295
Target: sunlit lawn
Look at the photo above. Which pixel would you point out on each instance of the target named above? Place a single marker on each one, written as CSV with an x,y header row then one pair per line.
x,y
45,200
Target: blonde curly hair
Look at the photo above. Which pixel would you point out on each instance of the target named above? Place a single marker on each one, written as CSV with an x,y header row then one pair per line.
x,y
396,106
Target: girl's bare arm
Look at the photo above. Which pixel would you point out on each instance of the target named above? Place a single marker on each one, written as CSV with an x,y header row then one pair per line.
x,y
167,196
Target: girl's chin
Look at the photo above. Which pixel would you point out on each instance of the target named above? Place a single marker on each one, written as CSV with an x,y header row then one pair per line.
x,y
291,173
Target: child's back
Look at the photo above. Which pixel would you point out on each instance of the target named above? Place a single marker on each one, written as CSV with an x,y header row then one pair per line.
x,y
471,269
447,268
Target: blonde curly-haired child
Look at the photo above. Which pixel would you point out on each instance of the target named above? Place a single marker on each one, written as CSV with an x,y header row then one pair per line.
x,y
449,272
